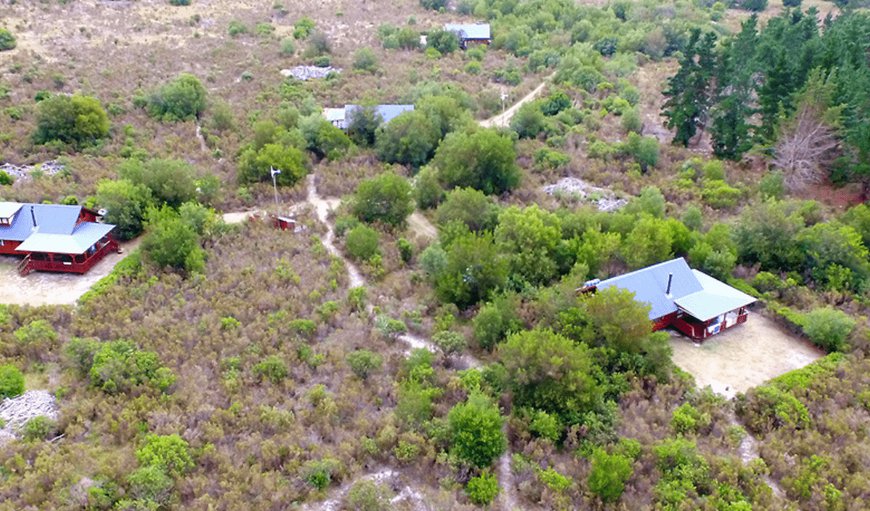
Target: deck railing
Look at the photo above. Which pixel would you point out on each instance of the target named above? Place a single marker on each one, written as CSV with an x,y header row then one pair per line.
x,y
72,266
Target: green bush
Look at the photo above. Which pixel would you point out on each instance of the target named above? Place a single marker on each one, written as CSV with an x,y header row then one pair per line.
x,y
450,343
364,362
385,198
236,28
75,120
545,425
443,41
475,431
409,139
406,250
11,381
126,203
319,473
362,242
288,47
435,5
181,99
482,489
119,366
484,160
271,368
365,60
828,328
427,190
368,496
38,428
7,40
687,419
170,453
5,178
644,150
150,484
171,242
609,474
303,27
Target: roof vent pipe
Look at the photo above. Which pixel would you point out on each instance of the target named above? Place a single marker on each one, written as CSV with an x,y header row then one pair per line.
x,y
670,281
33,216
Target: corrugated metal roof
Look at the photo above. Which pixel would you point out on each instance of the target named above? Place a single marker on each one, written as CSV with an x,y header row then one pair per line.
x,y
650,284
50,219
695,292
715,299
334,114
386,112
469,30
7,209
84,237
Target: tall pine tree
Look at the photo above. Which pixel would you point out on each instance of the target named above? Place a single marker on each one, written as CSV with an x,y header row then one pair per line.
x,y
689,91
735,94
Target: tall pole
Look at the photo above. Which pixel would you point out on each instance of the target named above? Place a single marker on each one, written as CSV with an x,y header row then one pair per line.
x,y
275,173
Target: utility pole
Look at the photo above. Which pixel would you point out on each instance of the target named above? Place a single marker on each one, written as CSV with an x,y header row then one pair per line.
x,y
275,173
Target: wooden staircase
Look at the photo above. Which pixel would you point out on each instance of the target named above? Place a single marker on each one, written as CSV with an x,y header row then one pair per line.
x,y
25,266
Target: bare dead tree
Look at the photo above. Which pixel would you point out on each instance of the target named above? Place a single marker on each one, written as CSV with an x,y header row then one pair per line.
x,y
806,148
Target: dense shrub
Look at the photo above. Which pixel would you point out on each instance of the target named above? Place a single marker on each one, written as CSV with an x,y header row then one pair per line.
x,y
494,321
475,431
385,198
271,368
549,372
362,243
172,182
482,489
75,120
181,99
409,139
484,160
172,242
828,328
126,204
364,362
119,366
11,381
255,165
469,206
38,428
170,453
435,5
365,60
443,41
7,40
368,496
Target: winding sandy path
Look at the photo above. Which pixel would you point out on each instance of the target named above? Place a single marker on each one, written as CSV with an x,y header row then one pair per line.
x,y
507,497
503,119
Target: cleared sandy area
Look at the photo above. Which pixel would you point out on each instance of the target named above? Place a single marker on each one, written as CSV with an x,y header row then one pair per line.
x,y
42,288
743,357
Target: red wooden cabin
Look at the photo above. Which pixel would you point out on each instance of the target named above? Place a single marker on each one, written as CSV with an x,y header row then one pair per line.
x,y
53,237
691,301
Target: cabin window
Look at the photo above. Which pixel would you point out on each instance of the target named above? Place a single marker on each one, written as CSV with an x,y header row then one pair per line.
x,y
2,243
4,221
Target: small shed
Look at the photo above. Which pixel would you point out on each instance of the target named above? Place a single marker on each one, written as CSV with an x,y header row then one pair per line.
x,y
478,33
689,300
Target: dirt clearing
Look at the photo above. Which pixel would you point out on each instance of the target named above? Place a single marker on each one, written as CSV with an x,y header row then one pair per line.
x,y
42,288
743,357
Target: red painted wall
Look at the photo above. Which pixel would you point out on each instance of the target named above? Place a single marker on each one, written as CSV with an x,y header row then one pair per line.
x,y
9,247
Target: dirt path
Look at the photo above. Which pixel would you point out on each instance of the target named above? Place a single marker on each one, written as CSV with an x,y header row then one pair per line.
x,y
748,451
322,208
422,226
503,120
202,145
237,217
743,357
507,496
